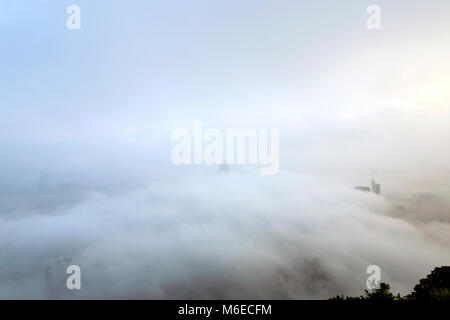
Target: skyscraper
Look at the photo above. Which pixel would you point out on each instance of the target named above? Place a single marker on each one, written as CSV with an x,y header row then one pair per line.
x,y
376,188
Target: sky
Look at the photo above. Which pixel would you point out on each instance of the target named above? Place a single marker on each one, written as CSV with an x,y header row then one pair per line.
x,y
86,118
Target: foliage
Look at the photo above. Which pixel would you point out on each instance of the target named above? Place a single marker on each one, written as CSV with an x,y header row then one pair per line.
x,y
435,287
383,293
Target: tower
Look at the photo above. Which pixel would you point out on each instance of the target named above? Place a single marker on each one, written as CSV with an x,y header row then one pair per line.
x,y
376,188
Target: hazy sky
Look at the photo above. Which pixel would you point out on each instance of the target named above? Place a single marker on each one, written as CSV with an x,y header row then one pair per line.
x,y
86,118
137,71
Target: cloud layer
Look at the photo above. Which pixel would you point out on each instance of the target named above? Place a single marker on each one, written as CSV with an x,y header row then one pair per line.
x,y
214,235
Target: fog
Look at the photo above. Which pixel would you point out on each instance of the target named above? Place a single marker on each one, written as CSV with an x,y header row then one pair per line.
x,y
212,235
86,176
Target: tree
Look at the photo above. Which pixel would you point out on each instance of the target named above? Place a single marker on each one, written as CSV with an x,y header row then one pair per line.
x,y
436,286
383,293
